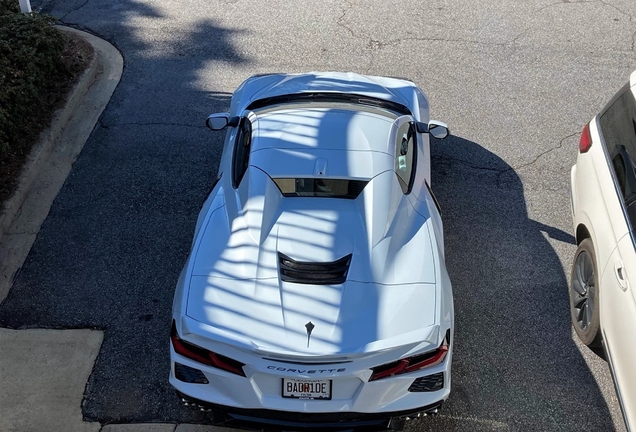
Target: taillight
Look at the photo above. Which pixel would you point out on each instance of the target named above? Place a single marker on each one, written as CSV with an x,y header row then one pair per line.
x,y
204,356
586,139
410,364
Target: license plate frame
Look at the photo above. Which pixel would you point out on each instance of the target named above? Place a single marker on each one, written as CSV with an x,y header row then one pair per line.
x,y
312,384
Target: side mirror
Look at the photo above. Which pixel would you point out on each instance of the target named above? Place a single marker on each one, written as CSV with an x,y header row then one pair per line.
x,y
220,121
438,129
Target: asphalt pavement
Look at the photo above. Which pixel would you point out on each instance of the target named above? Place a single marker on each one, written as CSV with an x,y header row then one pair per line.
x,y
515,81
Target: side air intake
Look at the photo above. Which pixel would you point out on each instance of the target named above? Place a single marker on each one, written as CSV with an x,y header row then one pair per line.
x,y
329,273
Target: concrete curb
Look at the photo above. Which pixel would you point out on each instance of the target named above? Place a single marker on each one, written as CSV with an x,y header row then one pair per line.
x,y
52,157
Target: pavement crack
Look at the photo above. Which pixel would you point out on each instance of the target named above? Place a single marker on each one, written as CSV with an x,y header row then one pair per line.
x,y
74,10
542,8
562,2
519,36
533,161
377,44
616,8
340,22
440,39
540,155
603,2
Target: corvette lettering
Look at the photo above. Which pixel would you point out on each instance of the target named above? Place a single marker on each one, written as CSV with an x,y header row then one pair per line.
x,y
306,371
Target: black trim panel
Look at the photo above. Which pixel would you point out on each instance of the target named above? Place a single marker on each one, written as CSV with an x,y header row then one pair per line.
x,y
328,273
329,97
430,191
272,420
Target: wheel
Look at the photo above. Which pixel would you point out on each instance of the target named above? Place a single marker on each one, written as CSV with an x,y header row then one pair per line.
x,y
584,304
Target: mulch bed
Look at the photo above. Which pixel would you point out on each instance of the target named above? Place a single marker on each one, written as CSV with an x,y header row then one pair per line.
x,y
75,58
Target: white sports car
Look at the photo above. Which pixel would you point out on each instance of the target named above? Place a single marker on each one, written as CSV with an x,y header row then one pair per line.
x,y
316,294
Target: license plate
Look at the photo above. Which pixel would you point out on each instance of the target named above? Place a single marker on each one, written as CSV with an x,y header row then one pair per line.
x,y
307,388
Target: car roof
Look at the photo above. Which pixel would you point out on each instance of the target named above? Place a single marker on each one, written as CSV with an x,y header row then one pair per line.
x,y
337,141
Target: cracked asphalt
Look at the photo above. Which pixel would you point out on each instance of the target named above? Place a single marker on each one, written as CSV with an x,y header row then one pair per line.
x,y
516,82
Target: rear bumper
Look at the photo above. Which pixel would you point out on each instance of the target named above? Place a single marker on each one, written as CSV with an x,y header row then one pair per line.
x,y
352,392
273,420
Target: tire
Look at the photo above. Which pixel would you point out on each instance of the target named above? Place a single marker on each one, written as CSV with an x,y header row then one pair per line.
x,y
584,295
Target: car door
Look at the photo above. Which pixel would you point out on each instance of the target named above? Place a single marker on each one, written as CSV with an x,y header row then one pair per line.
x,y
618,283
618,275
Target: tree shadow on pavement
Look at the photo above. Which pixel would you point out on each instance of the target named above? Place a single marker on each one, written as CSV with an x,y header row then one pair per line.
x,y
109,254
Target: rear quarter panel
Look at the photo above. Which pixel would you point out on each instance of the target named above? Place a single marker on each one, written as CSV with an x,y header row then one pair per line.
x,y
595,203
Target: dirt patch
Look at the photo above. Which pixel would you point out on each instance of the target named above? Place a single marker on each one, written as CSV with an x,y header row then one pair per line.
x,y
75,58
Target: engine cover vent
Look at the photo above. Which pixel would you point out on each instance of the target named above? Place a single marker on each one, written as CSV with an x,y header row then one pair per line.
x,y
329,273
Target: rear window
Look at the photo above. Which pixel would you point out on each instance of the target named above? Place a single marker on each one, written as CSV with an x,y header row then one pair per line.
x,y
618,126
320,187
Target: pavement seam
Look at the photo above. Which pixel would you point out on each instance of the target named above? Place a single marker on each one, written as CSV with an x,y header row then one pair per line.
x,y
74,10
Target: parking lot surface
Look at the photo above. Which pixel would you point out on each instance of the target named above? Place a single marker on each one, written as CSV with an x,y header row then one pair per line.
x,y
515,81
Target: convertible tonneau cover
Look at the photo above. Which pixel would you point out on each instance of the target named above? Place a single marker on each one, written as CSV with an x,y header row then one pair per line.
x,y
396,90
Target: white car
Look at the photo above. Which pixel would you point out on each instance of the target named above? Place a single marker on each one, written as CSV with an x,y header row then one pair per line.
x,y
603,190
316,294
